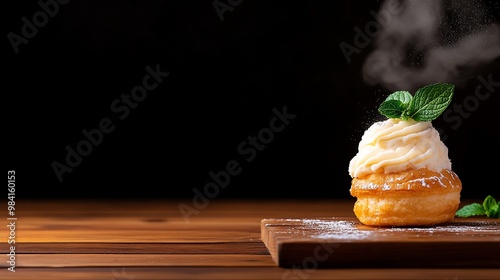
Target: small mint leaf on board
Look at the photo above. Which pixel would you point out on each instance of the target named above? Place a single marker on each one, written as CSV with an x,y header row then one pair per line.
x,y
494,212
430,101
474,209
489,202
490,206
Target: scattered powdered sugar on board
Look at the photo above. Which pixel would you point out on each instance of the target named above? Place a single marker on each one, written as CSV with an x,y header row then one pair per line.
x,y
449,228
351,230
341,229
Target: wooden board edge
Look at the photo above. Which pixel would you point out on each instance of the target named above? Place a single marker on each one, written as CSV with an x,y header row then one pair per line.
x,y
268,242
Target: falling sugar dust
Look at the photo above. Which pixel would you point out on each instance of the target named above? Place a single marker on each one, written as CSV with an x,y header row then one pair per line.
x,y
433,41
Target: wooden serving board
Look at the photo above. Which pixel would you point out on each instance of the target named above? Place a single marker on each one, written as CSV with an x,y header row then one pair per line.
x,y
345,242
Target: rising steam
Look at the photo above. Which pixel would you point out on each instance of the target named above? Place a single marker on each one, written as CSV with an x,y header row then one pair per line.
x,y
432,41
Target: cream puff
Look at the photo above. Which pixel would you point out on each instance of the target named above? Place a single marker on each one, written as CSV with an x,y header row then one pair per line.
x,y
402,176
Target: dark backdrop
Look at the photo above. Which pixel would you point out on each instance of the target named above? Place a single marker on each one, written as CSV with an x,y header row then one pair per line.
x,y
230,71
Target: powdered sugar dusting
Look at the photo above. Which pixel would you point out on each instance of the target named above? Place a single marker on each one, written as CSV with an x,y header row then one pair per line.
x,y
421,181
397,183
338,229
476,227
353,230
338,225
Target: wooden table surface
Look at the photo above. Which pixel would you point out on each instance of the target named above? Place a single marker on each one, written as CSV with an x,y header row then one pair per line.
x,y
151,239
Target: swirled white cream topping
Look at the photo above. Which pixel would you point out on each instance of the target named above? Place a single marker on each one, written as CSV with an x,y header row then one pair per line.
x,y
395,145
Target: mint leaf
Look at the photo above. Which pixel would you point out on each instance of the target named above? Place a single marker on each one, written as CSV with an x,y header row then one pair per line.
x,y
489,202
430,101
474,209
395,105
402,95
494,212
426,105
392,109
490,206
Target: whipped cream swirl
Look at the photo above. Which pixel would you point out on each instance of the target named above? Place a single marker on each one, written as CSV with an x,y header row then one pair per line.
x,y
395,145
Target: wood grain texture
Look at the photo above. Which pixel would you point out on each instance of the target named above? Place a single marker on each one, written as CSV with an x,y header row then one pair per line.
x,y
244,273
247,248
122,260
150,239
345,242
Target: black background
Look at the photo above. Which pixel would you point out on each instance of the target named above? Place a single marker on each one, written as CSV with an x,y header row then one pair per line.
x,y
225,79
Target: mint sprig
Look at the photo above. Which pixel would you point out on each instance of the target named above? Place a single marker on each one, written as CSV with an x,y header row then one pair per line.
x,y
490,208
427,104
